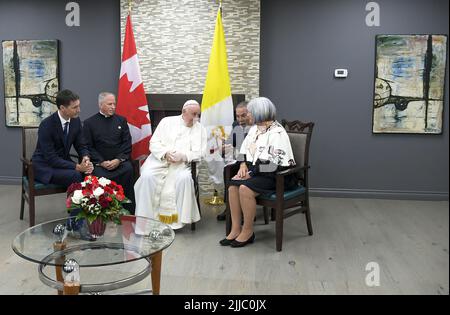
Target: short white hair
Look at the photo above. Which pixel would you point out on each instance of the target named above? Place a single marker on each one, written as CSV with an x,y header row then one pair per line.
x,y
262,109
189,103
103,95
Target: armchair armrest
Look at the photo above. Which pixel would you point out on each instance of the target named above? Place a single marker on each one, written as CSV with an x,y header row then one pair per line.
x,y
194,170
229,172
28,172
195,160
293,170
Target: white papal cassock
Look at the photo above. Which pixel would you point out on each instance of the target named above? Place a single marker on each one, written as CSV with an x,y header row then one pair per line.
x,y
165,191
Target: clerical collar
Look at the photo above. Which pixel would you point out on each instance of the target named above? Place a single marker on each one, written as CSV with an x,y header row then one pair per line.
x,y
106,116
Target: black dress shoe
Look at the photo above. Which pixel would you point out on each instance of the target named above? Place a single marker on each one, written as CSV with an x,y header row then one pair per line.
x,y
221,216
236,243
226,242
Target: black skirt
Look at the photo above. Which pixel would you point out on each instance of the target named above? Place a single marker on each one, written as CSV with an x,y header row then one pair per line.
x,y
265,183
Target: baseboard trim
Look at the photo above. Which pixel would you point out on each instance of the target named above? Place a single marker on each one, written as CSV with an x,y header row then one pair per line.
x,y
10,180
379,194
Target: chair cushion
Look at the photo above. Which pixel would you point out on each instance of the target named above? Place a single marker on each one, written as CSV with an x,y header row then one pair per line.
x,y
288,194
39,185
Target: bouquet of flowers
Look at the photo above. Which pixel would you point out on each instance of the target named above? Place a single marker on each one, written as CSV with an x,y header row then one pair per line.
x,y
97,198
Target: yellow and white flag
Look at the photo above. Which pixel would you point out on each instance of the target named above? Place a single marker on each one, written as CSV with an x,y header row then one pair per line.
x,y
217,104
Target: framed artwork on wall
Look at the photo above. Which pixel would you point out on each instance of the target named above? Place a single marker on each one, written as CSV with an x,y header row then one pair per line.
x,y
409,84
31,79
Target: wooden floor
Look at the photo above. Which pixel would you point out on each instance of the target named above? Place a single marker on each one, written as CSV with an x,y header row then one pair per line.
x,y
409,240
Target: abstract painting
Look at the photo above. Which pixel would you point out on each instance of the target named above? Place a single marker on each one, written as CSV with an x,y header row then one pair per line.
x,y
409,84
30,72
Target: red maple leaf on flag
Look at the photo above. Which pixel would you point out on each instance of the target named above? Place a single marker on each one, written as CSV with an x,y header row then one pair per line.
x,y
131,98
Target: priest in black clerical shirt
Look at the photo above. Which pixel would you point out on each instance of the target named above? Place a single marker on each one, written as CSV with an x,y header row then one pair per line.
x,y
109,142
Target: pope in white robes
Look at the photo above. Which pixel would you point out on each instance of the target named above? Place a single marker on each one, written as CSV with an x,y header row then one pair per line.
x,y
165,190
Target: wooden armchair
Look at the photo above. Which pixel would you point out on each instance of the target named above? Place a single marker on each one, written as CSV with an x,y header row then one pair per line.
x,y
30,187
297,200
197,189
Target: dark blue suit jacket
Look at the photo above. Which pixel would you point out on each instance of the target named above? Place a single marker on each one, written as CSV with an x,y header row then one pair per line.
x,y
51,154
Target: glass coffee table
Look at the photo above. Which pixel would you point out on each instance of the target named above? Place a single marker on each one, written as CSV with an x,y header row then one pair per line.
x,y
136,239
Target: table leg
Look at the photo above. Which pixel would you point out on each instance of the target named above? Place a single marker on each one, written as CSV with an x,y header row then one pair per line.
x,y
59,262
156,272
59,276
71,288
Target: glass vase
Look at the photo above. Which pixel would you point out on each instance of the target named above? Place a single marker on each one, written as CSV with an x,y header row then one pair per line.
x,y
97,228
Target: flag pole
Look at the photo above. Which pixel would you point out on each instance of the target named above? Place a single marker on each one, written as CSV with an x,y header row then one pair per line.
x,y
216,200
129,6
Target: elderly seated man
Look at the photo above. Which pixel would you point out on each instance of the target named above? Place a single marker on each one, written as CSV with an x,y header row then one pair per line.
x,y
165,189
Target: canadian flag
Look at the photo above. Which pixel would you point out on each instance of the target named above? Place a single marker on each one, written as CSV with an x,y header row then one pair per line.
x,y
131,99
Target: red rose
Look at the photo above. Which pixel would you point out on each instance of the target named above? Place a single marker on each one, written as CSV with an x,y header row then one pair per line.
x,y
103,202
108,190
120,196
73,187
86,192
113,184
68,202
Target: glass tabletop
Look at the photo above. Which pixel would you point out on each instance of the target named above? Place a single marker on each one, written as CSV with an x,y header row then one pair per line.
x,y
135,238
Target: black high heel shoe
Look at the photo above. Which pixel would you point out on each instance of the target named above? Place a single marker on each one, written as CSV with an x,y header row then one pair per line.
x,y
236,243
226,242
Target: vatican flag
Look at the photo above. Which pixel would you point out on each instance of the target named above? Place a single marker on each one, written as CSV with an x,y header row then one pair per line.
x,y
217,104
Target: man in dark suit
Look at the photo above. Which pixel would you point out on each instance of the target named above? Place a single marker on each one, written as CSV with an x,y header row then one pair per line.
x,y
240,126
57,133
109,142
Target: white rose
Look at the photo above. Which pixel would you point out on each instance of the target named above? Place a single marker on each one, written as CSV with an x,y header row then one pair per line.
x,y
77,196
98,192
104,181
